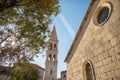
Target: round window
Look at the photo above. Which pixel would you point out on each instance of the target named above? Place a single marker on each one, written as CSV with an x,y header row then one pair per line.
x,y
102,14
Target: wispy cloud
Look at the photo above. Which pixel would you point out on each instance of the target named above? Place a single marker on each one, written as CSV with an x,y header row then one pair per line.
x,y
67,25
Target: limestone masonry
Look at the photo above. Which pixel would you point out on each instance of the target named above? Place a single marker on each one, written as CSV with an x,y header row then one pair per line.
x,y
51,57
95,52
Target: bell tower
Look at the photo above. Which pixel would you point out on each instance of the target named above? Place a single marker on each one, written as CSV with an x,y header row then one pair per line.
x,y
51,57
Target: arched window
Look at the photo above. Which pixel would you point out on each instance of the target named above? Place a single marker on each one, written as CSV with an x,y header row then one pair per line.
x,y
55,46
50,46
51,72
49,58
88,71
54,57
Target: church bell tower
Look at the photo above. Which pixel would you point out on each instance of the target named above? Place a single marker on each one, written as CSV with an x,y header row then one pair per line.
x,y
52,57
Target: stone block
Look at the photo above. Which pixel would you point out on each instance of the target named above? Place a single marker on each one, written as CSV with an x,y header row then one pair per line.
x,y
107,45
107,60
100,56
114,41
100,49
99,64
107,68
104,76
106,54
111,74
117,56
107,37
114,28
96,52
111,51
117,48
118,36
95,59
117,72
113,58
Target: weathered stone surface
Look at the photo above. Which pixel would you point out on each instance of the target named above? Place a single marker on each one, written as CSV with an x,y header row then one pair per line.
x,y
51,62
99,46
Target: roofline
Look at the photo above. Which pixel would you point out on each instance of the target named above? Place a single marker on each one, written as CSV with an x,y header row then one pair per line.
x,y
35,65
80,33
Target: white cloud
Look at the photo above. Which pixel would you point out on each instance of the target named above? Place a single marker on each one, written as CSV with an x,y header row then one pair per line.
x,y
67,25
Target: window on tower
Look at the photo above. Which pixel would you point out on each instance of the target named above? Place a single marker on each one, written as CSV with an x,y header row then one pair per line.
x,y
54,57
51,72
49,58
50,46
55,46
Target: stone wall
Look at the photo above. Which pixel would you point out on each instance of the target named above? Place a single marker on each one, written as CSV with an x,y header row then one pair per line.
x,y
100,45
51,62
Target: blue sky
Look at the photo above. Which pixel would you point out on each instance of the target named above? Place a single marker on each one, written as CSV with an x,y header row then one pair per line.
x,y
67,24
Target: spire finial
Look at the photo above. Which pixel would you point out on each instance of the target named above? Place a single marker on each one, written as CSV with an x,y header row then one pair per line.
x,y
54,34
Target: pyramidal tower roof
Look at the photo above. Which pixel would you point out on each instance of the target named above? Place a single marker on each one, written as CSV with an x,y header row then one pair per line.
x,y
53,34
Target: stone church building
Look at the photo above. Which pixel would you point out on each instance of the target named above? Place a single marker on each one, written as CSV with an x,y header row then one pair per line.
x,y
95,51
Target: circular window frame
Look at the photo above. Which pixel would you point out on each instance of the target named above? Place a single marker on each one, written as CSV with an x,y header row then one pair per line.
x,y
99,9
